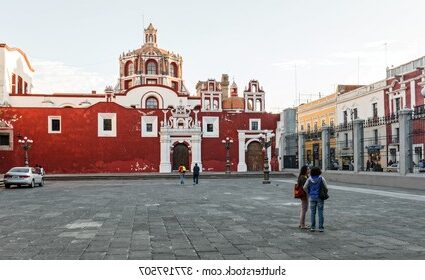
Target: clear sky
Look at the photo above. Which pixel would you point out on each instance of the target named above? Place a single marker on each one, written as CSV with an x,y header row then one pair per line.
x,y
74,45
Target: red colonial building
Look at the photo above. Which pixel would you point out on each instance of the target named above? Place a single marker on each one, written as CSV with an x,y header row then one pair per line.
x,y
148,122
405,89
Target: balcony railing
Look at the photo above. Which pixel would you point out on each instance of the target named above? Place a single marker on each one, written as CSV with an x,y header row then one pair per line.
x,y
419,112
395,140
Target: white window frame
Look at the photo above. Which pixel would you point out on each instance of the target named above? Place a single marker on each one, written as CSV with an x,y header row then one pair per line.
x,y
255,120
49,124
152,120
216,127
10,146
106,133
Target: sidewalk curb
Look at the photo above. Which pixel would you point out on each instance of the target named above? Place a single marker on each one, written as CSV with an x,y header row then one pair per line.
x,y
159,176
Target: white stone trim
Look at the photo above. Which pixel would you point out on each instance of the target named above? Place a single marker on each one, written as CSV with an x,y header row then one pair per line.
x,y
152,120
216,127
49,124
100,131
10,146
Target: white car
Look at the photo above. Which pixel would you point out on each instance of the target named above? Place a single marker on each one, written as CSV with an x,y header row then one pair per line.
x,y
393,168
20,176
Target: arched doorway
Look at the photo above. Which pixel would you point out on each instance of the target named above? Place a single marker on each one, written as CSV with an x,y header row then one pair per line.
x,y
180,156
254,157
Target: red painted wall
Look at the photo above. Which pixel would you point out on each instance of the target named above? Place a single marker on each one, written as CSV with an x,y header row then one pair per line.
x,y
78,149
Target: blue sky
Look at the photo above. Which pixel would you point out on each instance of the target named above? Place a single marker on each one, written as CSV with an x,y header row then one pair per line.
x,y
75,45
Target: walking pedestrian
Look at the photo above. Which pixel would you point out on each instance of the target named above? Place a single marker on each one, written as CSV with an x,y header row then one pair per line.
x,y
312,187
195,174
302,178
182,170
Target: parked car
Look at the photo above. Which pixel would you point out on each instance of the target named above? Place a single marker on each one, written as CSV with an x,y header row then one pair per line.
x,y
20,176
393,168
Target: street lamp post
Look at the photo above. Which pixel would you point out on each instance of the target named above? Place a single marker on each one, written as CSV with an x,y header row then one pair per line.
x,y
26,144
227,143
266,143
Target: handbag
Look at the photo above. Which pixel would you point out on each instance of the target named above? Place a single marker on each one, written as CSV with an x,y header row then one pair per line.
x,y
323,192
298,191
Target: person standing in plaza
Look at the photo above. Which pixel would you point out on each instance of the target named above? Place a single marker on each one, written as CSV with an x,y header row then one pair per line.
x,y
195,174
312,187
182,170
302,178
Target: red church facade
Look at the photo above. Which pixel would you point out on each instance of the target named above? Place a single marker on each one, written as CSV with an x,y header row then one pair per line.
x,y
148,123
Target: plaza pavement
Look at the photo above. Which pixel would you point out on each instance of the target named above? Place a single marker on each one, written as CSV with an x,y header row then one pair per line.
x,y
217,219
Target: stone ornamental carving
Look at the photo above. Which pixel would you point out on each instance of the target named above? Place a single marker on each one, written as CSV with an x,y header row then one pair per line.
x,y
181,118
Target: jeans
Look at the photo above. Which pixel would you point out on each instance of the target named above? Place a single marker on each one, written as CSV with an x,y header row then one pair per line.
x,y
195,179
319,204
181,178
304,207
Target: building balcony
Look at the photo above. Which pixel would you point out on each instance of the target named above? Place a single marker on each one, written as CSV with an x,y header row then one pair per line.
x,y
395,140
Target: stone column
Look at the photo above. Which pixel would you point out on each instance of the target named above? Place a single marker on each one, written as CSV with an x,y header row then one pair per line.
x,y
301,144
406,153
196,151
358,145
326,147
242,164
165,165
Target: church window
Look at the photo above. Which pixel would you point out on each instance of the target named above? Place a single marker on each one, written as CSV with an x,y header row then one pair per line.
x,y
210,127
54,125
149,127
173,70
250,104
258,105
215,104
175,86
128,84
19,84
207,104
4,139
129,69
152,103
151,68
107,124
254,124
13,83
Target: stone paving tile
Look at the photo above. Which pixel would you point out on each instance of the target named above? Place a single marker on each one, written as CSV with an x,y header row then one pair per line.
x,y
219,219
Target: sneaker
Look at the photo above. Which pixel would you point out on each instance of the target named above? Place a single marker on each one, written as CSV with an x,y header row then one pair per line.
x,y
321,229
312,229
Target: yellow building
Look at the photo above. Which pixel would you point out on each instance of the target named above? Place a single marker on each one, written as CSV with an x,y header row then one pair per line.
x,y
312,117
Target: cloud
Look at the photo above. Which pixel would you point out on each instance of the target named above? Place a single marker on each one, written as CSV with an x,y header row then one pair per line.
x,y
55,76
